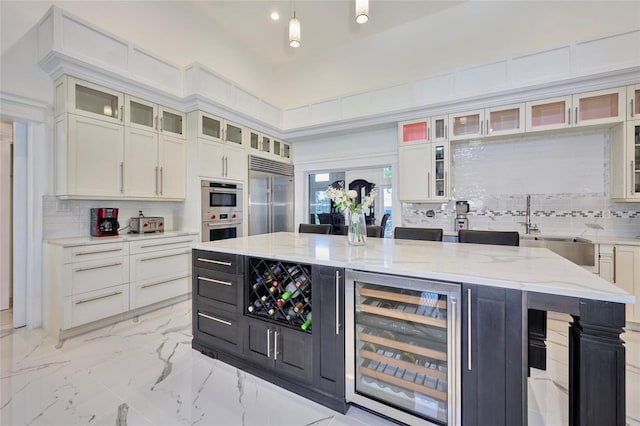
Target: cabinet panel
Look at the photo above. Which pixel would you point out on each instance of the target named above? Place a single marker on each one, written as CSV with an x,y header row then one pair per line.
x,y
140,113
96,305
440,128
172,122
90,275
505,120
603,106
235,163
440,168
216,286
141,162
173,167
549,114
96,157
466,125
211,157
292,353
209,127
414,176
258,342
415,131
233,133
147,292
633,158
627,276
217,327
95,252
94,101
160,264
633,102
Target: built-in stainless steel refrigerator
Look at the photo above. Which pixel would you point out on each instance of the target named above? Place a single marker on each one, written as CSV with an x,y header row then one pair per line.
x,y
270,196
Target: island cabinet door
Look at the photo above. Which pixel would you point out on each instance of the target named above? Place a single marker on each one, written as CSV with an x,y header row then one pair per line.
x,y
328,335
493,359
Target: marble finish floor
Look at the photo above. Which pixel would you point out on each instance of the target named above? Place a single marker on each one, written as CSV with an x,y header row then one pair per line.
x,y
144,372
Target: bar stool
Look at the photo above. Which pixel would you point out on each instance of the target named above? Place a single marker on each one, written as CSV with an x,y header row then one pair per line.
x,y
425,234
374,231
309,228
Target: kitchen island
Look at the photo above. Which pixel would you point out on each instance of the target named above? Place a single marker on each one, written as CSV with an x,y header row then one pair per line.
x,y
487,348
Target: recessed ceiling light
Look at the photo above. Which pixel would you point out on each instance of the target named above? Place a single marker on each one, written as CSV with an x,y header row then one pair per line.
x,y
275,15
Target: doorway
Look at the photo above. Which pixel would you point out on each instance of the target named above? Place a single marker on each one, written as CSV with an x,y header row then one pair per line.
x,y
6,225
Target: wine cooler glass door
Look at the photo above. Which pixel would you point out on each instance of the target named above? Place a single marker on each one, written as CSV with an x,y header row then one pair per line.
x,y
405,357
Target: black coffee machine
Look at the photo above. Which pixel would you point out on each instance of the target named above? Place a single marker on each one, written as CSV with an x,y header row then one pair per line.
x,y
104,222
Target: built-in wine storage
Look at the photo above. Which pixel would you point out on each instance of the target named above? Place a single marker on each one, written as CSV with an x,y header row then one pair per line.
x,y
280,291
405,346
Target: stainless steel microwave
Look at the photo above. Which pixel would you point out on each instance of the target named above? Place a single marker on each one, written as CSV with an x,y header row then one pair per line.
x,y
221,197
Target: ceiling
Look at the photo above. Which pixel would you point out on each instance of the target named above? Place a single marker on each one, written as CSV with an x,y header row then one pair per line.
x,y
245,25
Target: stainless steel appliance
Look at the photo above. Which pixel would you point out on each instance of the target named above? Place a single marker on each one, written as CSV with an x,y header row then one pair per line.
x,y
270,196
403,347
144,224
221,210
461,221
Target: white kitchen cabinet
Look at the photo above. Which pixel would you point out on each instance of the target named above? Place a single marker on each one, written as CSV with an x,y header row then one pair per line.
x,y
504,120
625,162
620,264
439,128
89,157
414,132
582,109
146,115
88,100
218,129
466,125
423,172
268,147
90,285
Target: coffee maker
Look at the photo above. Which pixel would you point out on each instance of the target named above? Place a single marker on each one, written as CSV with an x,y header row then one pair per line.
x,y
104,222
461,221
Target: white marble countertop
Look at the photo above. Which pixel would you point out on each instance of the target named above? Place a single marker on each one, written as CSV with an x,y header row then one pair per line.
x,y
524,268
596,239
86,241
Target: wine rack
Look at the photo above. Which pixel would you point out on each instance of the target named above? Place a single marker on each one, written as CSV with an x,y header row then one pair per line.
x,y
402,348
280,291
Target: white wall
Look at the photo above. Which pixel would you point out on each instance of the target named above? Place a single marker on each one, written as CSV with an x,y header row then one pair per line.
x,y
473,32
6,141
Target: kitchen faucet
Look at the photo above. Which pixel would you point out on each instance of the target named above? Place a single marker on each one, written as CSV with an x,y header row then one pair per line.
x,y
528,227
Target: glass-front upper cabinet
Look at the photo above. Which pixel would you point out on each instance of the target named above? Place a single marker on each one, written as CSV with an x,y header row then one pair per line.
x,y
233,133
140,113
633,102
440,162
414,131
599,107
286,151
172,122
210,127
548,114
504,120
466,125
254,140
91,100
439,128
265,144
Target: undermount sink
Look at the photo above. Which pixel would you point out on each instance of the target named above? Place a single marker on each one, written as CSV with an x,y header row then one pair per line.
x,y
578,250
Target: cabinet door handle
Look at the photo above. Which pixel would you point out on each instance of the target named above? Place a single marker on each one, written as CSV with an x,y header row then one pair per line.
x,y
268,343
275,345
337,303
454,351
446,187
161,128
446,131
84,253
166,244
115,293
575,118
217,262
157,119
469,329
162,282
97,267
226,165
631,190
211,280
428,133
157,179
569,116
122,177
161,257
482,127
632,108
161,180
121,112
429,184
200,314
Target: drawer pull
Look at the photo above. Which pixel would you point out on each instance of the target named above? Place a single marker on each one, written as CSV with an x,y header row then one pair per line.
x,y
84,253
162,257
98,298
211,280
200,314
166,244
97,267
162,282
217,262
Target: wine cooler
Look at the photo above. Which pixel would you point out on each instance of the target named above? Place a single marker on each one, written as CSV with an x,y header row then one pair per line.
x,y
403,339
281,292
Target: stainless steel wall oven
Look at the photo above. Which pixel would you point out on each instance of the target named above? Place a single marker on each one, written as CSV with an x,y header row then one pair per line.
x,y
222,210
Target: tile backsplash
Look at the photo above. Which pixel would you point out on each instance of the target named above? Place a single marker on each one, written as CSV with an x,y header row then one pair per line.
x,y
567,175
71,218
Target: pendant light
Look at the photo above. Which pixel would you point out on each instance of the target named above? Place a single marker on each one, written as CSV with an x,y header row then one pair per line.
x,y
294,31
362,11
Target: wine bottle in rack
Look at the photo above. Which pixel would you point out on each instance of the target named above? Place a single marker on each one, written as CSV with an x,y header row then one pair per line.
x,y
293,271
303,284
273,270
307,322
290,291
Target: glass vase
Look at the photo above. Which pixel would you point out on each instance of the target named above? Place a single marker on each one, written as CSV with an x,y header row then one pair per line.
x,y
357,228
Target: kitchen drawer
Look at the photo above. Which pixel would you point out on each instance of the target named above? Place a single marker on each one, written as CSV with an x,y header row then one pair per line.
x,y
151,291
164,243
96,305
217,328
91,275
95,251
216,286
161,264
223,262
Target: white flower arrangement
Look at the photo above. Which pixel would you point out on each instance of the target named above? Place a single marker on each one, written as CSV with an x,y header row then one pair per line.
x,y
345,200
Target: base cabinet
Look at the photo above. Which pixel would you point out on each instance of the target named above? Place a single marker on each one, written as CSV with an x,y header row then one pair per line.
x,y
492,335
236,319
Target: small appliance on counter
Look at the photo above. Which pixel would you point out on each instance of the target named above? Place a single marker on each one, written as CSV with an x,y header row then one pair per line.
x,y
104,222
143,224
461,221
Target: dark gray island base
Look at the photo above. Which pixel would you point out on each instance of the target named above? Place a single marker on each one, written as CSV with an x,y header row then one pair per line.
x,y
489,386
